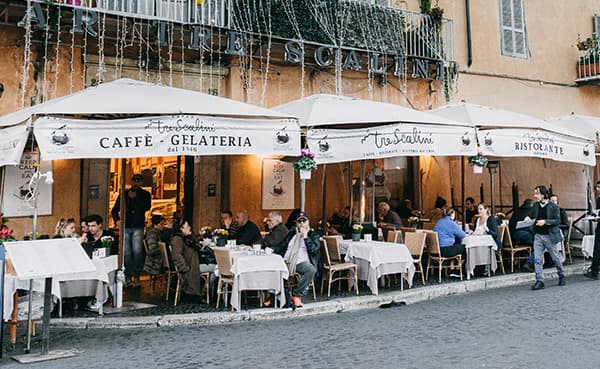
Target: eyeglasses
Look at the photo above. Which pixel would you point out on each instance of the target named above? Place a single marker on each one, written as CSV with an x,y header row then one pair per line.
x,y
300,221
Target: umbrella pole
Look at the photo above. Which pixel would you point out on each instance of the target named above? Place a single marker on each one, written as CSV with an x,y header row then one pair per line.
x,y
462,190
362,200
302,193
324,193
118,300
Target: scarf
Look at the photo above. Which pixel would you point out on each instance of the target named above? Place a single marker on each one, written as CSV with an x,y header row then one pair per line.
x,y
292,253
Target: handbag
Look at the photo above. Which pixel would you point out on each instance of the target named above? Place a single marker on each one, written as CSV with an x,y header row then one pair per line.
x,y
206,255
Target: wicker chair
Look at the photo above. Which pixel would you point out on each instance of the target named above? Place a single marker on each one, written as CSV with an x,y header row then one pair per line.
x,y
568,246
434,255
169,272
415,242
508,247
394,236
332,264
502,230
406,230
225,275
167,266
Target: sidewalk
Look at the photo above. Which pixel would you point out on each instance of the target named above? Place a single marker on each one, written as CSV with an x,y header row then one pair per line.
x,y
338,304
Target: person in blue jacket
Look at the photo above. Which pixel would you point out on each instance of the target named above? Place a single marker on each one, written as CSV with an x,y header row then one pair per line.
x,y
450,236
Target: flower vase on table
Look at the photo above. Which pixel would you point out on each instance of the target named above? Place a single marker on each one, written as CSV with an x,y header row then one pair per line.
x,y
107,242
356,232
221,241
221,236
413,222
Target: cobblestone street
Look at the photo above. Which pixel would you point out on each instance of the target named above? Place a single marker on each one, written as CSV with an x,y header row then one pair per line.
x,y
504,328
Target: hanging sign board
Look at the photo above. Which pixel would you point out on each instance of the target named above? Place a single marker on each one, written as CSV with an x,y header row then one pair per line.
x,y
17,200
277,184
12,144
61,138
403,139
536,143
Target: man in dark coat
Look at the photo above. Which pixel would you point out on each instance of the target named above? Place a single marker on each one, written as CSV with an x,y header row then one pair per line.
x,y
247,233
592,272
547,236
277,237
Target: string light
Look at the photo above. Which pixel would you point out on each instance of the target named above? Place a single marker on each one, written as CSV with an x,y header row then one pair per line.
x,y
26,54
57,53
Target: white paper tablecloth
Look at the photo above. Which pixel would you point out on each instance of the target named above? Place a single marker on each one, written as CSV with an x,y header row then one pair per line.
x,y
64,285
481,250
375,259
257,272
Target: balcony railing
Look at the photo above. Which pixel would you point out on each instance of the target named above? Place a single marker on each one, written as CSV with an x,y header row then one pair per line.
x,y
588,64
208,12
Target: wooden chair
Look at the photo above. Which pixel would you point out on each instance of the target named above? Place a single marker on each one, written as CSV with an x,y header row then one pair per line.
x,y
406,230
394,236
508,247
167,266
568,246
332,265
225,275
434,255
502,230
415,242
177,283
428,226
334,242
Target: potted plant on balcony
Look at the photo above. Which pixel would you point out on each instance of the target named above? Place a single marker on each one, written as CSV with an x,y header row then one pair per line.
x,y
588,63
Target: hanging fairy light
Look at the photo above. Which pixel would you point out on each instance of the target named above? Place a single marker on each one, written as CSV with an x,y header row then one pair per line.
x,y
26,54
288,8
57,55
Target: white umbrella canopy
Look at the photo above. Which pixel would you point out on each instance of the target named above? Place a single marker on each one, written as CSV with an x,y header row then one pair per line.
x,y
505,133
122,115
341,128
584,125
328,110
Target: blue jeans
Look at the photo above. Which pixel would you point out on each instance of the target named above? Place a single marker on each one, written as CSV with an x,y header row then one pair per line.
x,y
133,251
307,271
541,242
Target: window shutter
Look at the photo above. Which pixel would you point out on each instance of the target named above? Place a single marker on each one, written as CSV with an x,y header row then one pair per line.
x,y
512,26
597,24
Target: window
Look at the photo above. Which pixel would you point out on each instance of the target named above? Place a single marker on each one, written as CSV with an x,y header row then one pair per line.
x,y
512,28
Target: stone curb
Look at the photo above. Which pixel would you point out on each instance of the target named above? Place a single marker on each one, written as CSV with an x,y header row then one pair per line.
x,y
333,306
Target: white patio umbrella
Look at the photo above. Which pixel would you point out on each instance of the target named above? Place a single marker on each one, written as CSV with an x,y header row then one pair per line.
x,y
343,129
505,133
584,125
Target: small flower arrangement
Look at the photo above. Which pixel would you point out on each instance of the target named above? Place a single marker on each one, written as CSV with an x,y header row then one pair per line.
x,y
306,161
221,233
586,44
357,228
479,160
106,241
205,232
6,234
500,216
413,221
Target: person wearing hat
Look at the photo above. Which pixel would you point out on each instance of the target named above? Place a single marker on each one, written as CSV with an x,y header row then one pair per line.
x,y
302,256
137,203
154,263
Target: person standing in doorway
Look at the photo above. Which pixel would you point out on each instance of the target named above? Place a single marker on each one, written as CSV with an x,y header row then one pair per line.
x,y
546,235
592,271
137,203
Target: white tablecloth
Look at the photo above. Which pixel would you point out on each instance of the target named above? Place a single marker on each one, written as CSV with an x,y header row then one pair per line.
x,y
375,259
66,285
257,272
480,251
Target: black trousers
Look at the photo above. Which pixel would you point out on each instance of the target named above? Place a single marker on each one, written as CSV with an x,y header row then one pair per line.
x,y
596,258
454,250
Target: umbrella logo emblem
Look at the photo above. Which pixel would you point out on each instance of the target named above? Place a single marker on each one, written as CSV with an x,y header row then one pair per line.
x,y
466,140
487,140
323,145
59,136
586,150
282,136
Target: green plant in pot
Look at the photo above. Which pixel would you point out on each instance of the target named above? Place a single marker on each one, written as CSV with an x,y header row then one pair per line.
x,y
357,230
221,236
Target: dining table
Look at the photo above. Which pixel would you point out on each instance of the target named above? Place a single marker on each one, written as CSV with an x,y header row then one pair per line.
x,y
258,272
376,259
481,250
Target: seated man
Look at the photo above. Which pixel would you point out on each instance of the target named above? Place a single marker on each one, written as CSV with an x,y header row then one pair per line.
x,y
522,236
302,256
340,222
95,234
406,210
228,224
470,210
387,218
247,233
277,237
154,262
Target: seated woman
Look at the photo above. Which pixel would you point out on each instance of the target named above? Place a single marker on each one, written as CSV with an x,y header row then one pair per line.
x,y
437,212
486,224
66,228
190,257
450,236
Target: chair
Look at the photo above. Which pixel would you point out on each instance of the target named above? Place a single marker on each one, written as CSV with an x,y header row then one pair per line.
x,y
502,230
178,283
334,242
293,281
406,230
428,226
507,246
394,236
568,247
434,255
332,265
167,265
415,242
225,275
